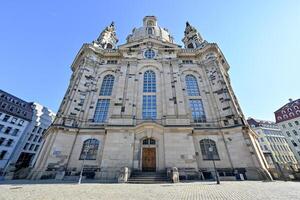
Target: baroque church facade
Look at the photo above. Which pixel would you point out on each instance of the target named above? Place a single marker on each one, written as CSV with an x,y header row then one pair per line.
x,y
150,105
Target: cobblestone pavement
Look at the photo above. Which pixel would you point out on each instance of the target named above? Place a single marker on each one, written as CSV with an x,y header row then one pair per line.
x,y
200,190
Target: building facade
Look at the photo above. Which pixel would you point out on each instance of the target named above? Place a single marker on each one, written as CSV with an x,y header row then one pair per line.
x,y
273,143
150,105
27,152
288,119
22,125
15,116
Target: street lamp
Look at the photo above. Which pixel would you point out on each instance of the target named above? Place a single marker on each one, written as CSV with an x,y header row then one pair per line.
x,y
211,150
85,155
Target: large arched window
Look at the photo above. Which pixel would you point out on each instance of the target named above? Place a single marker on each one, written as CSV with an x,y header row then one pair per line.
x,y
107,85
192,85
195,101
209,149
149,81
149,96
89,149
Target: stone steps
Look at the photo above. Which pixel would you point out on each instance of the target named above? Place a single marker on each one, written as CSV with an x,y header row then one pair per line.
x,y
148,178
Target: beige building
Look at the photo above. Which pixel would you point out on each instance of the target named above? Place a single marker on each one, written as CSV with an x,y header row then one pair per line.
x,y
150,105
273,143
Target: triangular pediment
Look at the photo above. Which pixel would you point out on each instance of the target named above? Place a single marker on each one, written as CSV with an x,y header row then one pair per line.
x,y
149,41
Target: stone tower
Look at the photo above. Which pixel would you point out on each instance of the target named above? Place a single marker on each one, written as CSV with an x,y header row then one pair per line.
x,y
107,39
150,105
192,38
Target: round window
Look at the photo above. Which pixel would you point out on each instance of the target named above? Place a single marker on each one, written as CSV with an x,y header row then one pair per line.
x,y
149,54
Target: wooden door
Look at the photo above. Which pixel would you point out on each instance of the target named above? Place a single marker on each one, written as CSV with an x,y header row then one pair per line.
x,y
149,159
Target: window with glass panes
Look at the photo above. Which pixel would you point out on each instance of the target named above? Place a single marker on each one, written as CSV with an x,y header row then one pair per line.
x,y
209,149
192,85
195,102
107,85
149,107
197,109
149,53
89,149
101,110
149,81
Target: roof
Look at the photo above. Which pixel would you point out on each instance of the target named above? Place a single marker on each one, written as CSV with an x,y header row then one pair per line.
x,y
261,123
289,111
15,106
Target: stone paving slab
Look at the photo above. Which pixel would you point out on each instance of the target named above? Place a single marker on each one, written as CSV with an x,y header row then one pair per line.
x,y
196,191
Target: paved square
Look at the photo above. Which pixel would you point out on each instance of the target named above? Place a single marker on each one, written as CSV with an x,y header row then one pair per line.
x,y
200,190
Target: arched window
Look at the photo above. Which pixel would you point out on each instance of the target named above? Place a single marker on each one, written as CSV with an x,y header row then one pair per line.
x,y
107,85
209,149
279,118
89,149
150,23
149,81
109,46
149,96
192,85
190,46
150,31
149,141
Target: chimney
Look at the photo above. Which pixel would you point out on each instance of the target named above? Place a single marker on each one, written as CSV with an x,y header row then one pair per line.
x,y
290,100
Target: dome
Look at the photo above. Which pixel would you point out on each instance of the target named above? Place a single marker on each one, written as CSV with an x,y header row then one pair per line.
x,y
150,29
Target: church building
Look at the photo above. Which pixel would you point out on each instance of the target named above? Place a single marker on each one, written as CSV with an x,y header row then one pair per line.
x,y
150,105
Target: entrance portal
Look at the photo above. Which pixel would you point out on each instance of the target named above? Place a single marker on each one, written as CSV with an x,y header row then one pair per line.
x,y
149,159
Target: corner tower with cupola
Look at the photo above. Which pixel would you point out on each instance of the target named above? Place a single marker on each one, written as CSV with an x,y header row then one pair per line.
x,y
150,105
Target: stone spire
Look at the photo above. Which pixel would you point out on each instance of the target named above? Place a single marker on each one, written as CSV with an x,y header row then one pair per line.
x,y
192,38
108,38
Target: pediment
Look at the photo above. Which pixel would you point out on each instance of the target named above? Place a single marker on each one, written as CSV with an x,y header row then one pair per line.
x,y
149,42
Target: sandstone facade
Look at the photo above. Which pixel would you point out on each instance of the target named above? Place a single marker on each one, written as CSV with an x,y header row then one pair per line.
x,y
168,120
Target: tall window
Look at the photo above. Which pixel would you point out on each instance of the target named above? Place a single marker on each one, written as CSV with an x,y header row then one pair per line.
x,y
195,102
102,106
209,150
89,149
149,107
197,110
192,85
107,85
149,95
101,110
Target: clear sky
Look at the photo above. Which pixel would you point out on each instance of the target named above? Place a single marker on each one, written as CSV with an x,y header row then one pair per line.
x,y
260,40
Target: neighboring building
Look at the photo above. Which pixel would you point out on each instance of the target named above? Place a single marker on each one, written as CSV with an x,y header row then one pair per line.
x,y
22,125
273,143
26,153
288,120
150,105
15,116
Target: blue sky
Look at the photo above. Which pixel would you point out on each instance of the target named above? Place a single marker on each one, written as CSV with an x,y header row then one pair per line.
x,y
260,40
